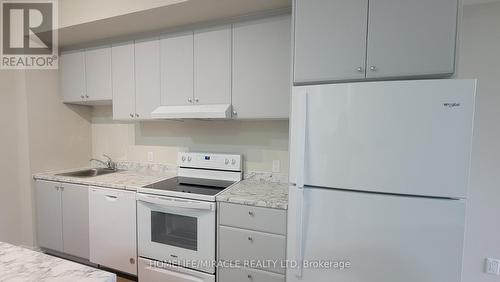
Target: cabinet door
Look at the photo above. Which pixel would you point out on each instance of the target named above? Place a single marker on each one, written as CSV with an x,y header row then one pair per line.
x,y
212,66
75,211
147,77
49,215
261,68
330,40
123,70
411,38
72,75
98,73
177,69
112,218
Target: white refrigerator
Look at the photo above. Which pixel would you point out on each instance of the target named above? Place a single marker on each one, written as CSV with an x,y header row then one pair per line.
x,y
379,175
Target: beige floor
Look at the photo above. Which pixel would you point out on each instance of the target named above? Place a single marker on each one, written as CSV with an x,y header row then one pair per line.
x,y
120,279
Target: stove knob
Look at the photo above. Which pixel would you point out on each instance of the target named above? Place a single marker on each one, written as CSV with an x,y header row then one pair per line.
x,y
183,158
189,159
227,162
233,162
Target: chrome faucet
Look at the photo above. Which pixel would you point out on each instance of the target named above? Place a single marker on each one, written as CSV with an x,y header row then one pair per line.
x,y
109,163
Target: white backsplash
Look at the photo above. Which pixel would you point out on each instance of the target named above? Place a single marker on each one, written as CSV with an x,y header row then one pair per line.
x,y
260,142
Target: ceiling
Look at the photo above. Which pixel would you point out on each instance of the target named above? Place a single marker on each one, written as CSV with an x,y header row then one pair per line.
x,y
181,14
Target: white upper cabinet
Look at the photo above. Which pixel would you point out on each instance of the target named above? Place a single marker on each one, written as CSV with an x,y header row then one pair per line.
x,y
98,73
123,65
177,69
147,77
339,40
72,76
261,68
212,66
85,76
411,38
330,40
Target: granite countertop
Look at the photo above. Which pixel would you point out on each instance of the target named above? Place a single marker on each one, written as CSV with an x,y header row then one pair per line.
x,y
258,191
20,264
124,179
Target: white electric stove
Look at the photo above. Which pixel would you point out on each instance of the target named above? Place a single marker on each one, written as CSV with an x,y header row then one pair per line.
x,y
176,218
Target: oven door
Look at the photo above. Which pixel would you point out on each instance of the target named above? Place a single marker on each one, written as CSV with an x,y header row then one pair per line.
x,y
177,231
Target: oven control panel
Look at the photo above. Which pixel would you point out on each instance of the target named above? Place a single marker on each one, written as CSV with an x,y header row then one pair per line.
x,y
210,161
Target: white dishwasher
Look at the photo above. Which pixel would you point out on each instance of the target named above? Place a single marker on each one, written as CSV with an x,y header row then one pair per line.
x,y
112,220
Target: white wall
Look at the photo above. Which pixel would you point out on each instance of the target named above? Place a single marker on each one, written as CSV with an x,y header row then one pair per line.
x,y
39,133
480,58
11,125
74,12
260,142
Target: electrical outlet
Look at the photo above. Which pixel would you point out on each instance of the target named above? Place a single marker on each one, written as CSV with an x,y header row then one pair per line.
x,y
150,157
276,166
493,266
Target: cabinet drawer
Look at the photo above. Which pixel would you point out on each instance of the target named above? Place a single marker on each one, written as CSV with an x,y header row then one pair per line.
x,y
244,245
254,218
246,274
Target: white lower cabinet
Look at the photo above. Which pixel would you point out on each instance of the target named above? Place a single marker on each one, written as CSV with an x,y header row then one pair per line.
x,y
249,238
62,216
75,220
242,274
112,220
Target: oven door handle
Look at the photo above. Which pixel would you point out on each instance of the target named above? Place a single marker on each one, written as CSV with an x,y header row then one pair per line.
x,y
176,203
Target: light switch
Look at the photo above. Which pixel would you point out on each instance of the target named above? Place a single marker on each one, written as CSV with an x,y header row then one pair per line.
x,y
493,266
276,166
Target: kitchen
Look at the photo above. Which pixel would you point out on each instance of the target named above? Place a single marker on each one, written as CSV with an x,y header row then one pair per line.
x,y
179,94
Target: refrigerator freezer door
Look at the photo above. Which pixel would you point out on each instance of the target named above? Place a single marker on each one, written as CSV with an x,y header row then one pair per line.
x,y
401,137
386,238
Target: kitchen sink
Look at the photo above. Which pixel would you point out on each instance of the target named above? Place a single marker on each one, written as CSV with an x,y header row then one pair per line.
x,y
88,172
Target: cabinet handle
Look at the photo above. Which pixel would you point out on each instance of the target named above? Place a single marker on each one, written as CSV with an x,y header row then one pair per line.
x,y
57,188
136,115
196,100
250,238
83,97
87,96
132,261
190,100
250,213
373,68
61,188
235,113
360,69
250,276
131,115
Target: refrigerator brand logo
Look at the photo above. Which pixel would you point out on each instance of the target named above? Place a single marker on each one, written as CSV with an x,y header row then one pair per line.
x,y
29,36
451,105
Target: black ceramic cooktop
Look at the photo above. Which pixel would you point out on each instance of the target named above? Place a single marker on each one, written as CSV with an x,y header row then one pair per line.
x,y
191,185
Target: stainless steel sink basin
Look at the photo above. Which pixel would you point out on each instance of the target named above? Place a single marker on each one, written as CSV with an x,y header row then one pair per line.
x,y
88,172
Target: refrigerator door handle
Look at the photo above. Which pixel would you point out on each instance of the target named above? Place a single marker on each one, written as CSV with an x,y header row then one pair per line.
x,y
300,186
301,154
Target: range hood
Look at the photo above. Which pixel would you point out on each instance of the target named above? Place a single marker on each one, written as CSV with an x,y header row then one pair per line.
x,y
218,111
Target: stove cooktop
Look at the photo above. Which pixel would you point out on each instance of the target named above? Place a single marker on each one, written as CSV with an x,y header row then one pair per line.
x,y
201,186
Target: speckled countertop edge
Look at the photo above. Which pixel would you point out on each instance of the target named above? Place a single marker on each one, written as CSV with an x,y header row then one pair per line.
x,y
21,264
128,178
258,189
